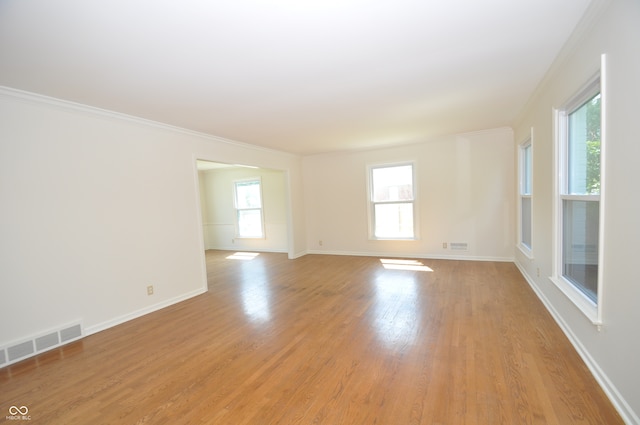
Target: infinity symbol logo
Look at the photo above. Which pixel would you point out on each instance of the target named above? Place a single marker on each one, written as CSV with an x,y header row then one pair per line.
x,y
15,410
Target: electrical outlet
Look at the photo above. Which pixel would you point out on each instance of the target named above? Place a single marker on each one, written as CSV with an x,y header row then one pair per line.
x,y
150,290
538,271
320,242
444,245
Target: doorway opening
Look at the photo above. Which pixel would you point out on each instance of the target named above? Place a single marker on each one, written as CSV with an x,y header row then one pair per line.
x,y
223,198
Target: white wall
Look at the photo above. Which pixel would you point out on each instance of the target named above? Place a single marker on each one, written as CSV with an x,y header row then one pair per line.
x,y
95,206
613,352
219,213
465,187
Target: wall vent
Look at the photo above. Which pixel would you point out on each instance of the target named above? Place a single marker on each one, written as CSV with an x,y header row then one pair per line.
x,y
71,333
459,246
40,343
47,341
18,351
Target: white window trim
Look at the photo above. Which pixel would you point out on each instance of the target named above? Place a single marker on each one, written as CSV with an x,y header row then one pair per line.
x,y
593,311
235,204
526,250
371,204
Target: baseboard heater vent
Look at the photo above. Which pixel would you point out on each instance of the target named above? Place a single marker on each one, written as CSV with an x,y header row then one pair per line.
x,y
40,343
459,246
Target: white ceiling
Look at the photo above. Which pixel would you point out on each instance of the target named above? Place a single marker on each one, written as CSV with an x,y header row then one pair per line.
x,y
302,76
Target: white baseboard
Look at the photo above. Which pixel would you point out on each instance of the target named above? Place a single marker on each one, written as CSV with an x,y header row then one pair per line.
x,y
294,255
236,248
620,404
409,255
143,311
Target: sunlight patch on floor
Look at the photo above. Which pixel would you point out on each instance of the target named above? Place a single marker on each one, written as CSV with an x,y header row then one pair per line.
x,y
411,265
243,256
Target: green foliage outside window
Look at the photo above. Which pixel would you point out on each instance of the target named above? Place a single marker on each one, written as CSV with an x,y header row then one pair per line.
x,y
593,145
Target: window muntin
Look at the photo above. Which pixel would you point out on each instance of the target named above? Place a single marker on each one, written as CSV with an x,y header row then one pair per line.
x,y
248,202
392,200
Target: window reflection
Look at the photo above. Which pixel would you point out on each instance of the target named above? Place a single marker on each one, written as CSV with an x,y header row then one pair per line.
x,y
254,288
396,309
255,300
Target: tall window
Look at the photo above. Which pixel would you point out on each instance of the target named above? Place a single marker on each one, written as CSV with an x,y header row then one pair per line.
x,y
249,208
525,196
392,200
580,143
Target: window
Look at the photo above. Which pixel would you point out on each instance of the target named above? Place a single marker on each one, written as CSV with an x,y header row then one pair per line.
x,y
525,196
249,208
579,200
392,198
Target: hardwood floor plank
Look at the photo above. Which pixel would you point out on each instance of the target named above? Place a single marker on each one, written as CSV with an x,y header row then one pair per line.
x,y
324,340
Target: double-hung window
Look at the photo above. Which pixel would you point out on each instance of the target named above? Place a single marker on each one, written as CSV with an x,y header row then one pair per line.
x,y
578,204
525,196
392,201
248,202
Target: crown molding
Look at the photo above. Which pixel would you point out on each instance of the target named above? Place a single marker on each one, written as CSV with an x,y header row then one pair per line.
x,y
67,105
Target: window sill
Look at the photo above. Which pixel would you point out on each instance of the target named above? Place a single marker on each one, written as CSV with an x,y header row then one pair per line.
x,y
584,304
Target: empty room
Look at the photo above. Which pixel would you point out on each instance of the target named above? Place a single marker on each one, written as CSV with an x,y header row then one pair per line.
x,y
319,212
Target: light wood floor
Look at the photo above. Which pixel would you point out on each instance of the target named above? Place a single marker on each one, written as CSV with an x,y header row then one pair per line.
x,y
323,340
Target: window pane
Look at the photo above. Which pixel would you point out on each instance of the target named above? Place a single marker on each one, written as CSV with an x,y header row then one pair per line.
x,y
250,223
393,183
526,170
580,245
248,194
584,149
394,220
526,222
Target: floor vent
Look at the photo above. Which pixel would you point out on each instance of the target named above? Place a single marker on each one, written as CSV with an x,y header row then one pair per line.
x,y
459,246
40,343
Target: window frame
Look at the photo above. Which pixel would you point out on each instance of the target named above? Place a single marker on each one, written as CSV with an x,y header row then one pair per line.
x,y
525,174
238,209
372,203
591,309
